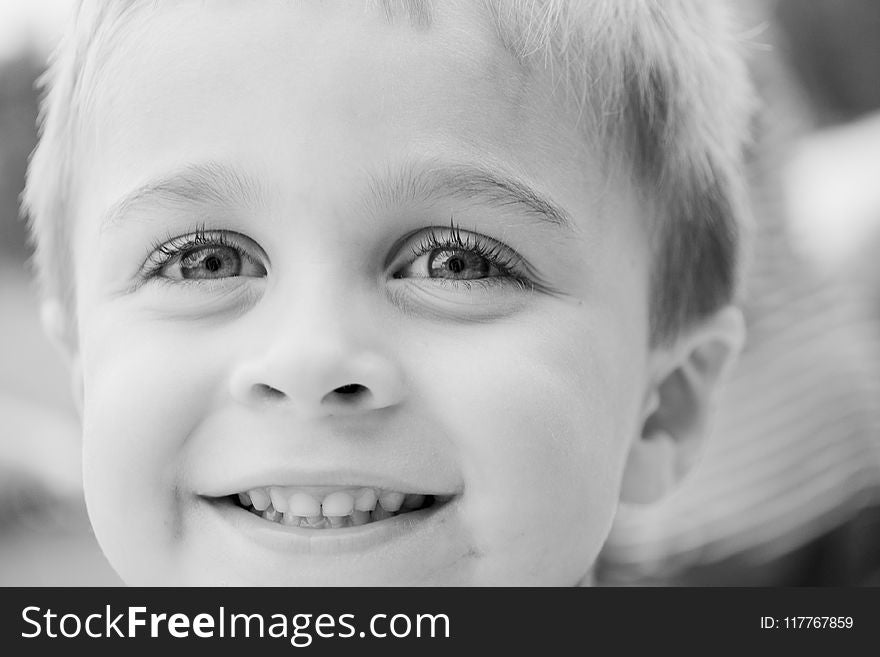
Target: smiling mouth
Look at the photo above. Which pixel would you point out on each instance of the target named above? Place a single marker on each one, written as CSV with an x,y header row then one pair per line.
x,y
332,508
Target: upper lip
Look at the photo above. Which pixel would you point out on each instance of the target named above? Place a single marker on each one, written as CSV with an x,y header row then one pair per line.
x,y
338,478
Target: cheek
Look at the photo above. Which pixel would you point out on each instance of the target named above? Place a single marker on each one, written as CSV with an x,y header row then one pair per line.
x,y
542,417
145,390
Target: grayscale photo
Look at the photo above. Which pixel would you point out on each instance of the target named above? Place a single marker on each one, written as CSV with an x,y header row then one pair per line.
x,y
439,293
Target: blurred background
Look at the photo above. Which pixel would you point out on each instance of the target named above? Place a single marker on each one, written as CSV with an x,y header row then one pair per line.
x,y
788,490
44,534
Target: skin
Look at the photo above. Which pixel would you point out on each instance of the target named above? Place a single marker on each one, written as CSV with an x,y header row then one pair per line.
x,y
523,402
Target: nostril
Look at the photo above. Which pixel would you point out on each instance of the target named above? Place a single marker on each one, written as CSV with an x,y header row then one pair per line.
x,y
263,391
350,389
350,397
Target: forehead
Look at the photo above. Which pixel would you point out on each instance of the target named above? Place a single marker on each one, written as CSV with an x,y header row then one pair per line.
x,y
187,82
326,51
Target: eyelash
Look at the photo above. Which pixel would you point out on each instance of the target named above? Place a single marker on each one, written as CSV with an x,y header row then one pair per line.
x,y
499,255
164,251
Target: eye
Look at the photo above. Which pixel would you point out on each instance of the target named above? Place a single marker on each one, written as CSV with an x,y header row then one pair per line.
x,y
206,255
206,262
454,255
457,264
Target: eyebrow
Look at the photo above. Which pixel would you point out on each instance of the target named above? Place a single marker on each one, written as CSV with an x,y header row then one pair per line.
x,y
469,182
209,184
215,184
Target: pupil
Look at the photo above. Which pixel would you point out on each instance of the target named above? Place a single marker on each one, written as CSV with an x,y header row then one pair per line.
x,y
455,264
212,263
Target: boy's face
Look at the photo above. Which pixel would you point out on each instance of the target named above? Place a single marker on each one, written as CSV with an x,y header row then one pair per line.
x,y
281,301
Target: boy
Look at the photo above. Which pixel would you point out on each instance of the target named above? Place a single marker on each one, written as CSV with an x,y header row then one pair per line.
x,y
390,293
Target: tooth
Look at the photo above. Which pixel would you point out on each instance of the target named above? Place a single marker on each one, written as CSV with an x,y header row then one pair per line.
x,y
259,498
413,501
245,499
359,517
291,519
279,498
271,514
303,504
366,500
391,500
339,503
381,513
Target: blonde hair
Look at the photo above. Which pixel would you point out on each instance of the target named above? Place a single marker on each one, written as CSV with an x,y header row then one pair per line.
x,y
661,84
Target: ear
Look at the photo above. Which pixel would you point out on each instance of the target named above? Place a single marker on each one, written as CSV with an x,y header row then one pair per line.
x,y
679,400
56,326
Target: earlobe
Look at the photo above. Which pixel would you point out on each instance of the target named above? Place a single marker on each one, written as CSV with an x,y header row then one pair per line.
x,y
679,404
650,468
55,324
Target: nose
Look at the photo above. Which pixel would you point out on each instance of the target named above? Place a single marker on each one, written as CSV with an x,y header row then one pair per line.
x,y
320,381
325,363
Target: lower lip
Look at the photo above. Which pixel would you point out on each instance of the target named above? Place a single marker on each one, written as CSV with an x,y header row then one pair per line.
x,y
329,542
